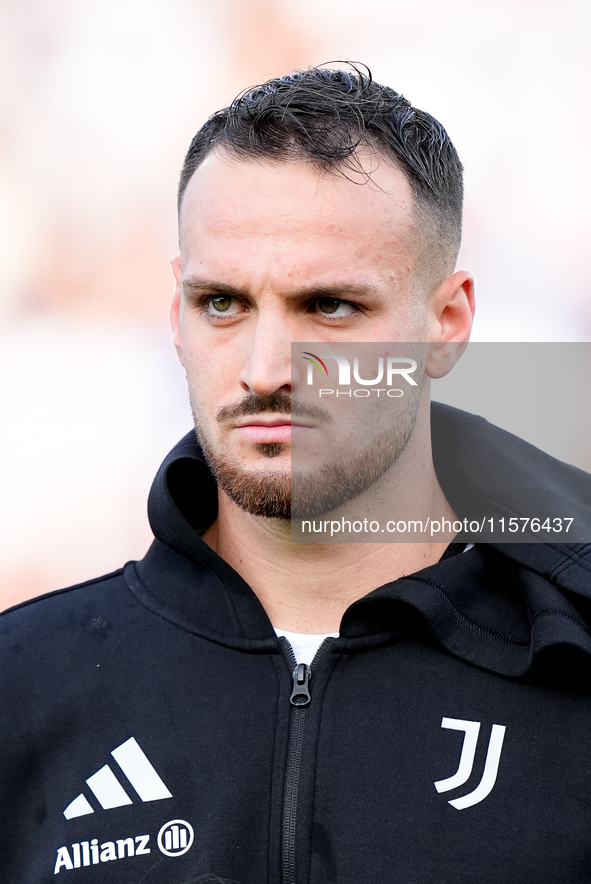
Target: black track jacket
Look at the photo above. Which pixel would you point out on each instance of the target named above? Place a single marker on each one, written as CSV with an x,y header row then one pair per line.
x,y
154,730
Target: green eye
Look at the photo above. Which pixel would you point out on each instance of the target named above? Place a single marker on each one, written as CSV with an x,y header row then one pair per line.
x,y
221,303
329,305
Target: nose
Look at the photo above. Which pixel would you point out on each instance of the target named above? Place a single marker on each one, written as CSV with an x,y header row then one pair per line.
x,y
267,360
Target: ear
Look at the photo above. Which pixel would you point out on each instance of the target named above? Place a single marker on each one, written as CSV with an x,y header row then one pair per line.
x,y
175,309
451,315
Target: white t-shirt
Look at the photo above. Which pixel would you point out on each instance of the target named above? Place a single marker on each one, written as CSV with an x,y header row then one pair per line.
x,y
304,644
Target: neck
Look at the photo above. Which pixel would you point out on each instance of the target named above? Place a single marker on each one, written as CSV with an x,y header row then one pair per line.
x,y
307,587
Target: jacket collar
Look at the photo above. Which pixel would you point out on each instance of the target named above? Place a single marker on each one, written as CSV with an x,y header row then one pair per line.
x,y
497,606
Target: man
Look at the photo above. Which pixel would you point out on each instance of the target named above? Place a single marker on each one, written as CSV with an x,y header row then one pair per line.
x,y
242,708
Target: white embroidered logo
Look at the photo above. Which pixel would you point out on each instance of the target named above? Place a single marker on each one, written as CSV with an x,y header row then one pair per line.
x,y
175,837
107,789
491,764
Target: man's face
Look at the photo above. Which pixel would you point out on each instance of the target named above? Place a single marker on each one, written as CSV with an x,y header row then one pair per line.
x,y
275,253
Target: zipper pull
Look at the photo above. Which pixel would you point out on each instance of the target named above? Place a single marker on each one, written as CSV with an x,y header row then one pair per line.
x,y
300,695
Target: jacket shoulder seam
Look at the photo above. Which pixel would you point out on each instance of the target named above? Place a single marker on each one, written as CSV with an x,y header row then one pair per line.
x,y
56,592
556,612
467,622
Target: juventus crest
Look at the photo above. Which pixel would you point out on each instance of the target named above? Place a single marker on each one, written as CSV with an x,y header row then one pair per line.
x,y
462,775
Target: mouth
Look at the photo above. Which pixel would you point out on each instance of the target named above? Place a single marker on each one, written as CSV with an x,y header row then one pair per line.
x,y
279,428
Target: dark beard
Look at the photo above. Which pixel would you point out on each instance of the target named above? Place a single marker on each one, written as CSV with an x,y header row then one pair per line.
x,y
335,484
297,494
266,494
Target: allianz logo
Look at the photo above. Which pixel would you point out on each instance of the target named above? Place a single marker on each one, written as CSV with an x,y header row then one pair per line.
x,y
174,839
109,790
87,853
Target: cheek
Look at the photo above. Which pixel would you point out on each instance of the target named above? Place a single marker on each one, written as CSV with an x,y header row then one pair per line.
x,y
200,374
211,378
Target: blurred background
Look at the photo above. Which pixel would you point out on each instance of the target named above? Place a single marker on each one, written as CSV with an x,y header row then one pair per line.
x,y
99,103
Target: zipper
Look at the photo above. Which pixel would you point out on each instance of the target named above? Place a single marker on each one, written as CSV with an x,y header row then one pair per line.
x,y
300,700
300,695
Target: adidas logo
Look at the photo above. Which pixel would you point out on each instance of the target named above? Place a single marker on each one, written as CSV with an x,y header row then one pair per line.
x,y
107,789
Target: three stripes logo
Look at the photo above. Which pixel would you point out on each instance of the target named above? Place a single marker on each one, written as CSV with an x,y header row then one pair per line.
x,y
462,775
107,789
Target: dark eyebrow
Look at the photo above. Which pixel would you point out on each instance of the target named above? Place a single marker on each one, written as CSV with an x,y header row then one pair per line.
x,y
197,286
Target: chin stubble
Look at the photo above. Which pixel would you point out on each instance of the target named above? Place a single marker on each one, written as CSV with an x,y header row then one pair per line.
x,y
293,493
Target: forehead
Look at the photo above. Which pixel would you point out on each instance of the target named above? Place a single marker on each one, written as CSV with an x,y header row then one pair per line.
x,y
298,215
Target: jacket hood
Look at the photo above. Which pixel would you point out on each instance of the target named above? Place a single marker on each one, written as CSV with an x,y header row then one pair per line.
x,y
497,606
485,470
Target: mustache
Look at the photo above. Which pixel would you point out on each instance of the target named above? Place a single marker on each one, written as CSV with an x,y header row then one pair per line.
x,y
277,402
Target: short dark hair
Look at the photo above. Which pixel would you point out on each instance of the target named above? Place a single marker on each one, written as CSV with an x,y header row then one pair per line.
x,y
325,115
